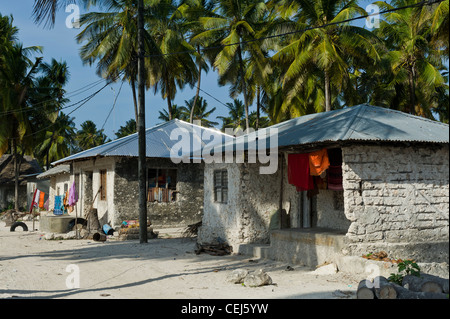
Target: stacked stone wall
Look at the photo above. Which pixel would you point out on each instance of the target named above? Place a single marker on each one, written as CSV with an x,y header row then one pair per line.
x,y
398,196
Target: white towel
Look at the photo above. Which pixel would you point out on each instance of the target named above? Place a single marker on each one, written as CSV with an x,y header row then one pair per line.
x,y
36,198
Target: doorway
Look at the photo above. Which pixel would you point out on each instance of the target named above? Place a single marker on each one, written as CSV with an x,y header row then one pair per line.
x,y
307,212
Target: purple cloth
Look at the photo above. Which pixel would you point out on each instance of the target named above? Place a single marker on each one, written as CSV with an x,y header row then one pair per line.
x,y
73,195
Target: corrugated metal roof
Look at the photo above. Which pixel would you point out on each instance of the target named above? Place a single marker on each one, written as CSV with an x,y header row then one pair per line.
x,y
184,137
60,169
358,123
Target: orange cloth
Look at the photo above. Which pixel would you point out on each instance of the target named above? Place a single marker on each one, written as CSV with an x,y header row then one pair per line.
x,y
66,199
318,162
41,199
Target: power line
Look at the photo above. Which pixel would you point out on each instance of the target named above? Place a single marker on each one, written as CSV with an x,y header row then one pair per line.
x,y
420,4
84,101
70,94
211,96
112,108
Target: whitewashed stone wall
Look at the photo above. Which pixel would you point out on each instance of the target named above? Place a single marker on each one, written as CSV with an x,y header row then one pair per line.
x,y
397,199
253,204
221,221
253,200
89,189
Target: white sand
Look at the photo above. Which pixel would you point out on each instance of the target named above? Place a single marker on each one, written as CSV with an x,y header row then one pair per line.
x,y
164,268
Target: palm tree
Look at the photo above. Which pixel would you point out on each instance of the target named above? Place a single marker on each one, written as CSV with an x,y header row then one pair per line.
x,y
171,64
192,10
60,141
111,42
31,94
199,112
17,83
128,129
44,11
50,126
440,27
236,116
233,25
89,137
177,113
8,32
328,49
414,63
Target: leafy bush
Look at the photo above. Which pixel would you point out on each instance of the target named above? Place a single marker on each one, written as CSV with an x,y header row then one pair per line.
x,y
405,267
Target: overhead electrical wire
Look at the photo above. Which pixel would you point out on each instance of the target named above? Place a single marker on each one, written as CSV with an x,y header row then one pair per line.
x,y
79,91
83,102
113,106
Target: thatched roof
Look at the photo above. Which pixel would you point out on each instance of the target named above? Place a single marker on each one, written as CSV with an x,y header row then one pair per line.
x,y
29,166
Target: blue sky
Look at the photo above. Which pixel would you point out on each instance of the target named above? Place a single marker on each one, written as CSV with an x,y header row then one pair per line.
x,y
59,43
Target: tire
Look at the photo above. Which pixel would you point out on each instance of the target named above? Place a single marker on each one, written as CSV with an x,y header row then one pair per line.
x,y
17,224
80,221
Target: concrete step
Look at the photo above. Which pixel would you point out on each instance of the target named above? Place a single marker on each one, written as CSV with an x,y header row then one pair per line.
x,y
257,251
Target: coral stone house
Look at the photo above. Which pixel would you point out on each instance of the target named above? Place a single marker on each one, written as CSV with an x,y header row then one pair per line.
x,y
385,187
106,176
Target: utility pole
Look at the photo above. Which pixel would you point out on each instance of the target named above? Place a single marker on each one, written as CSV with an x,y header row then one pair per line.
x,y
142,165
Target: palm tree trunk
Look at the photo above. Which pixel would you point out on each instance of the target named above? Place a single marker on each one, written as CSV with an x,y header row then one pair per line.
x,y
244,87
16,175
169,102
327,92
191,118
133,88
47,158
258,106
169,106
412,91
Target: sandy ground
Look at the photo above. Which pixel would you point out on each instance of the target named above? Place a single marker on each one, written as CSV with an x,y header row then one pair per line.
x,y
164,268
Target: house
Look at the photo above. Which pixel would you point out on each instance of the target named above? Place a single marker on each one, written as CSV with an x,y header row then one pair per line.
x,y
386,189
106,176
29,168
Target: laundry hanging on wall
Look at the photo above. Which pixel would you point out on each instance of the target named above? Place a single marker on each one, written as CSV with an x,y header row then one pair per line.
x,y
299,173
65,205
316,170
38,200
41,199
73,195
318,162
37,194
57,210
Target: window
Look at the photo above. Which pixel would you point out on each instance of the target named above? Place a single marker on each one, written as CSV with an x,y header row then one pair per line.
x,y
103,184
162,185
221,186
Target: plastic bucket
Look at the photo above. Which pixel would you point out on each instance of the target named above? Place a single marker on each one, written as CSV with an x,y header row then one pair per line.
x,y
108,230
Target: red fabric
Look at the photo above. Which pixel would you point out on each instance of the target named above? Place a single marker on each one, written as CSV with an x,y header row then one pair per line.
x,y
32,202
298,172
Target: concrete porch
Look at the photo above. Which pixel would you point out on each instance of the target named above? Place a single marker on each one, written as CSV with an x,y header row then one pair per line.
x,y
307,247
